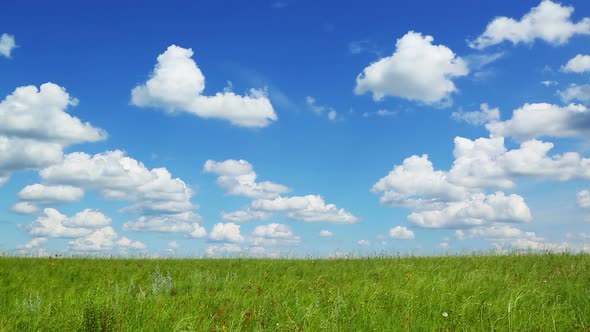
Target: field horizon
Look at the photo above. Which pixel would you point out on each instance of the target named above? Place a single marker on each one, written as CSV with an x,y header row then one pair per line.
x,y
515,292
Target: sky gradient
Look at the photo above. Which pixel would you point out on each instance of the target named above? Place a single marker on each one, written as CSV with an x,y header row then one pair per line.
x,y
292,128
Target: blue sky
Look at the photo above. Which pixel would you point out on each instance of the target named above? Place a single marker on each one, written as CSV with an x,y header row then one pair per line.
x,y
292,128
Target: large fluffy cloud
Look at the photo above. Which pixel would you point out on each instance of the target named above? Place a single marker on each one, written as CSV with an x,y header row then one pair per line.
x,y
226,232
35,128
478,209
177,84
309,208
543,119
104,239
417,70
54,224
549,21
7,44
274,234
118,177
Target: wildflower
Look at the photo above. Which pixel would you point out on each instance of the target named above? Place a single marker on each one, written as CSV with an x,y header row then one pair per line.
x,y
445,315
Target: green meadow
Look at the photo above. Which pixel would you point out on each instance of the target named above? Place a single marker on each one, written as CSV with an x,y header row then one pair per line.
x,y
518,292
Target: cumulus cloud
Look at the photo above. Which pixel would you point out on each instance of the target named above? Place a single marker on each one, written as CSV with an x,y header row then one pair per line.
x,y
478,209
549,21
401,233
226,232
177,84
104,239
417,70
326,233
7,44
118,177
34,243
41,194
476,118
35,128
573,92
414,182
543,119
226,249
578,64
309,208
24,208
274,234
508,238
186,222
237,177
54,224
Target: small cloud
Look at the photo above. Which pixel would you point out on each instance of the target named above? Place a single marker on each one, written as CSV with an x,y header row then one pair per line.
x,y
364,243
279,5
7,44
321,110
548,83
326,233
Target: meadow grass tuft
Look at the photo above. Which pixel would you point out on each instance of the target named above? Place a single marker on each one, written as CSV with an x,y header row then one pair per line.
x,y
519,292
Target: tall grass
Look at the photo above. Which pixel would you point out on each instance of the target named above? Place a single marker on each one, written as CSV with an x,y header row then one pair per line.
x,y
467,293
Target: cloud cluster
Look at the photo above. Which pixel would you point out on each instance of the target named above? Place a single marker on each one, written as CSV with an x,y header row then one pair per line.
x,y
35,128
90,230
549,21
255,244
330,112
237,177
177,85
417,70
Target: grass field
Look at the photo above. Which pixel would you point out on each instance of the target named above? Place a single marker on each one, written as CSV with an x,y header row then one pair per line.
x,y
467,293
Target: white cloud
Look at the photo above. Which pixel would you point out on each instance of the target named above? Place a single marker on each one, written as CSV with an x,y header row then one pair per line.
x,y
364,243
226,249
274,234
321,110
478,163
508,237
104,239
548,21
186,222
24,208
477,118
41,194
118,177
578,64
401,233
548,83
177,84
576,92
326,233
543,119
173,245
40,114
245,215
416,178
34,243
417,70
228,232
444,245
52,224
88,219
309,208
583,199
34,128
7,44
237,177
479,209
